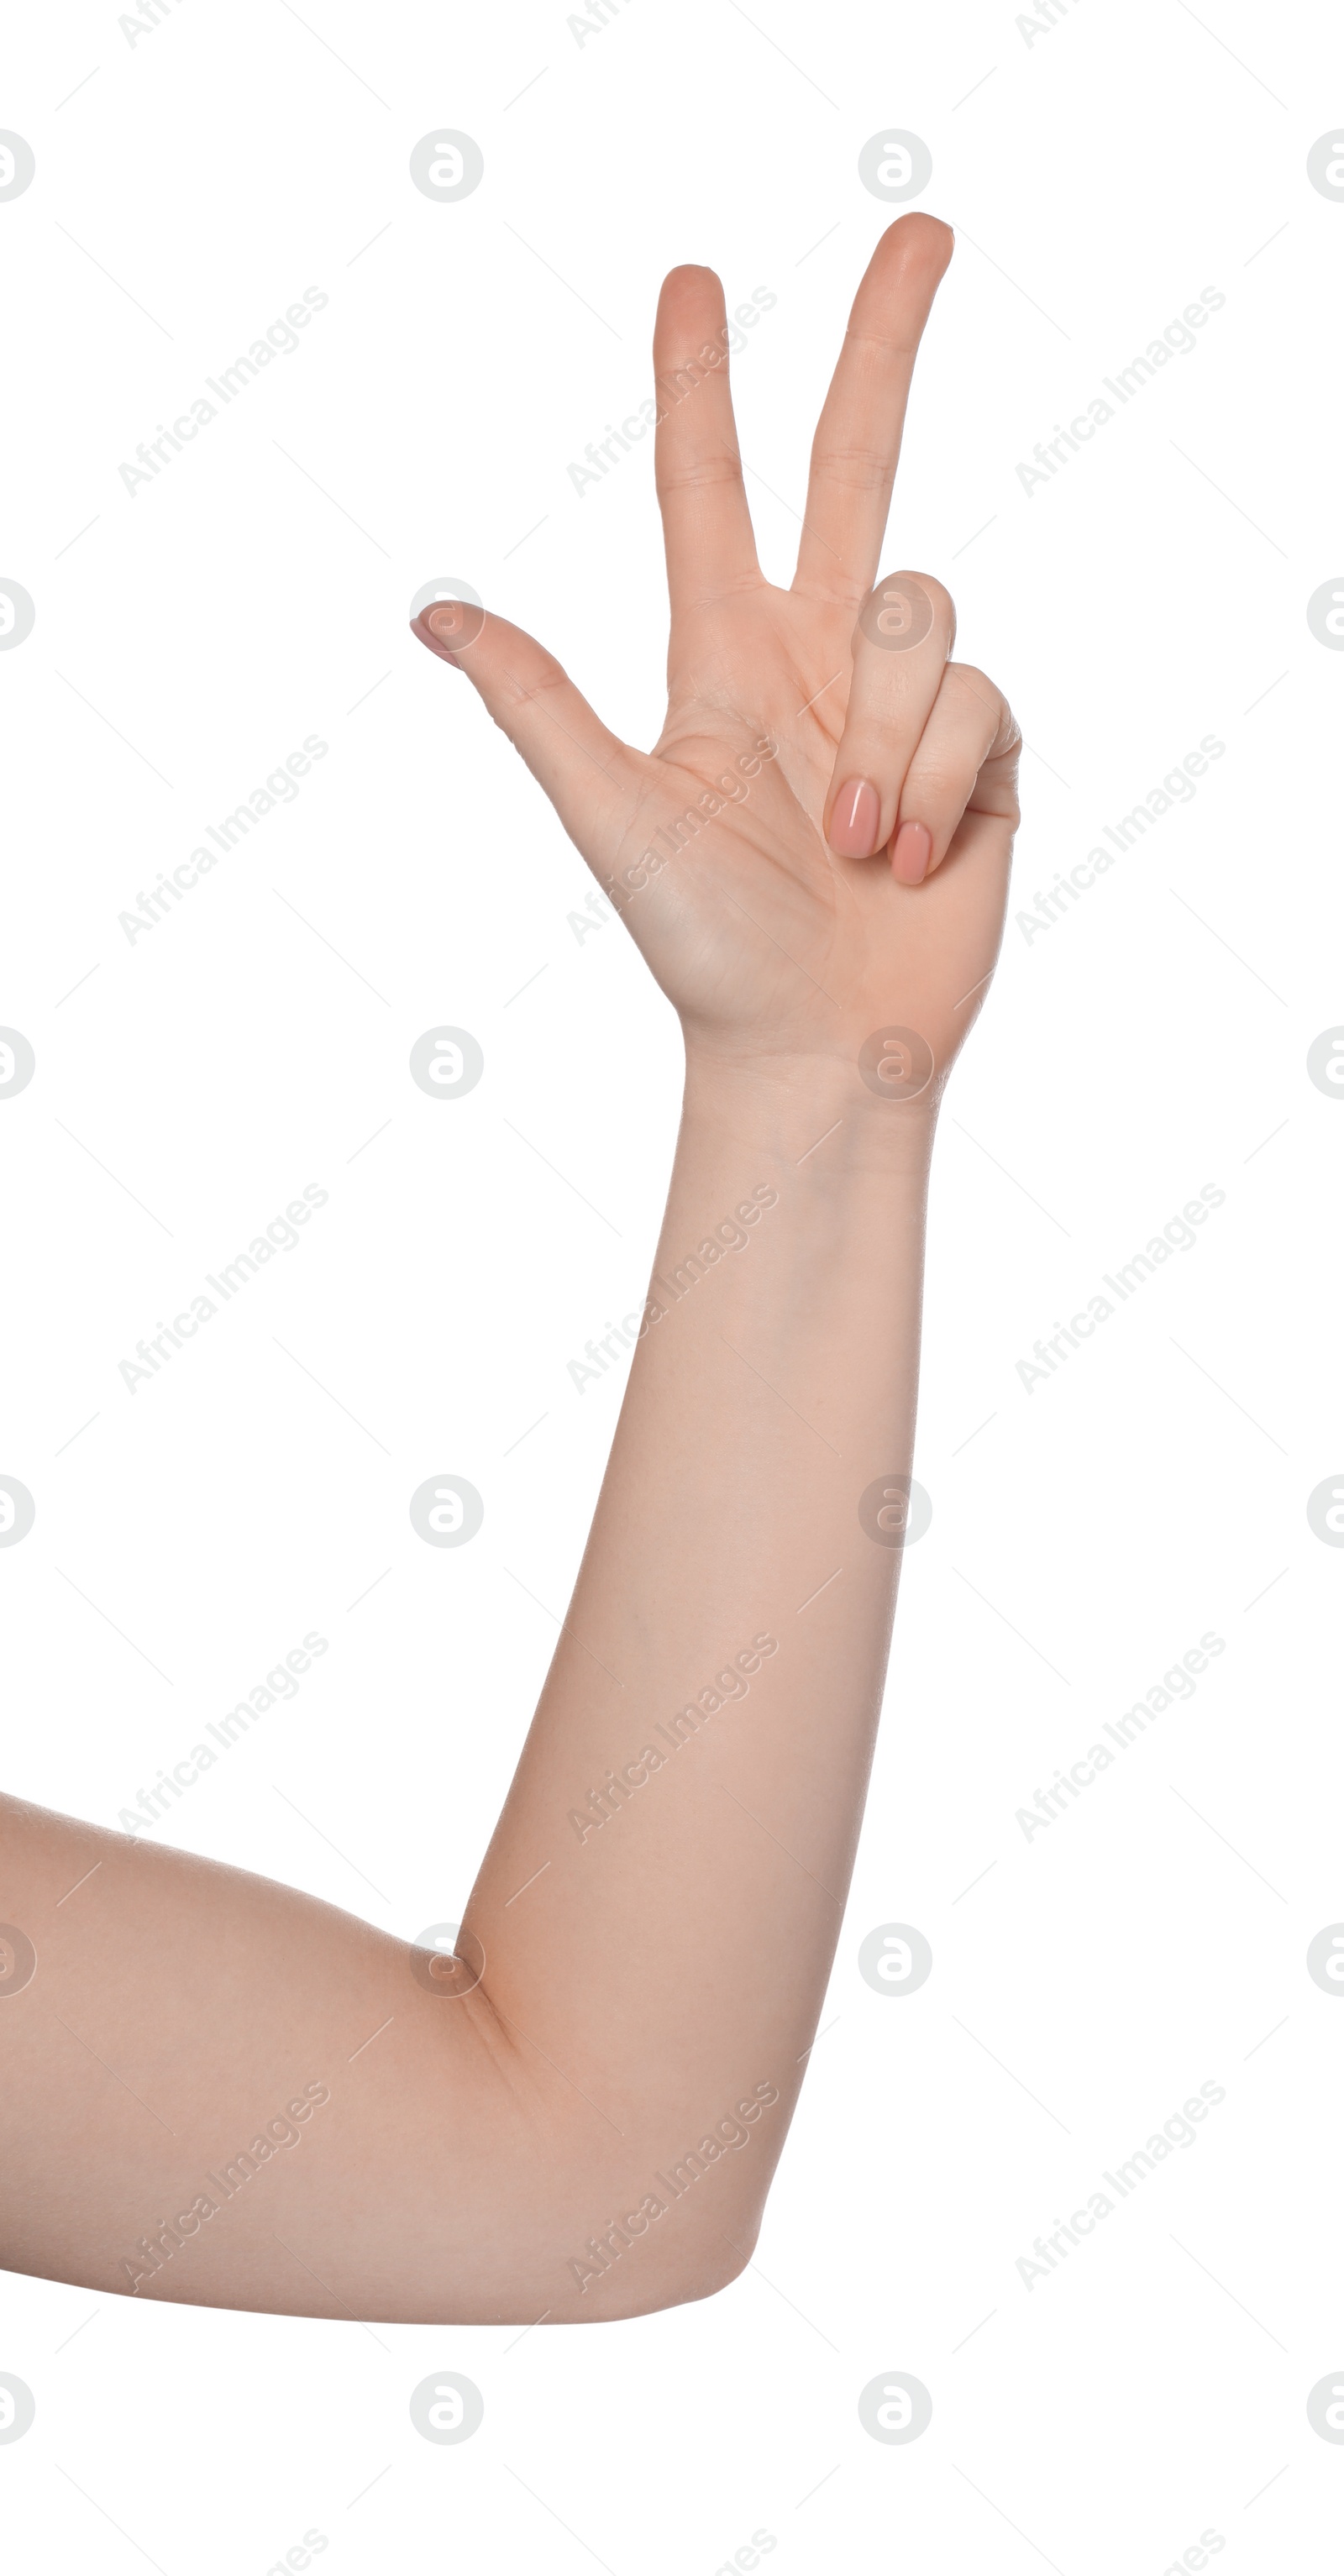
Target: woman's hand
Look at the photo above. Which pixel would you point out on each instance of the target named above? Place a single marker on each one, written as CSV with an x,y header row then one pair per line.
x,y
817,848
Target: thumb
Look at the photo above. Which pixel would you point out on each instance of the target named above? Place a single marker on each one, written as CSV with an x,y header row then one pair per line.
x,y
592,778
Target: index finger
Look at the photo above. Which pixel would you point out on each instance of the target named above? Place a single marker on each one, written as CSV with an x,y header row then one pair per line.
x,y
858,436
706,523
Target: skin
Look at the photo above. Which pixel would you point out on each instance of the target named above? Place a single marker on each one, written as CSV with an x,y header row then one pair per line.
x,y
652,1982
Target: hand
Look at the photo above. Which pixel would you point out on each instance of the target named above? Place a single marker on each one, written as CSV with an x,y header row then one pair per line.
x,y
818,845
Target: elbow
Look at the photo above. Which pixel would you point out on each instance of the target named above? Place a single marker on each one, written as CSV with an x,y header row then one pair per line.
x,y
686,2274
717,2270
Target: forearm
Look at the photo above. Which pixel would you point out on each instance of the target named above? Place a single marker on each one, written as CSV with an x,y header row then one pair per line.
x,y
644,1975
683,1866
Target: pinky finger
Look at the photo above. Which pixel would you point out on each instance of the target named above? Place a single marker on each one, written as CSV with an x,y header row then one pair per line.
x,y
965,760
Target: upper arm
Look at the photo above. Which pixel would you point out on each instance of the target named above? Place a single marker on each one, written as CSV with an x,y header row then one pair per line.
x,y
218,2090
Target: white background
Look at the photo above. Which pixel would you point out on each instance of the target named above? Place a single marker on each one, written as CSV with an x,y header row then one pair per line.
x,y
1100,173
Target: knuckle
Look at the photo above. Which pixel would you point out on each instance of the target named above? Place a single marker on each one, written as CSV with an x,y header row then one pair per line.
x,y
907,610
939,784
968,675
542,680
966,681
974,689
697,474
854,469
944,605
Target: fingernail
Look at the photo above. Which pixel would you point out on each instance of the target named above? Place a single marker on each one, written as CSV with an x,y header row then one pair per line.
x,y
911,852
855,816
423,627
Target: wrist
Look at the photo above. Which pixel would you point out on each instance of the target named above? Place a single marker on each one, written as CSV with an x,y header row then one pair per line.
x,y
815,1116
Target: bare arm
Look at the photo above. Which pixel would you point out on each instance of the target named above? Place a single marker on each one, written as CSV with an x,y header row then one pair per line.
x,y
218,2090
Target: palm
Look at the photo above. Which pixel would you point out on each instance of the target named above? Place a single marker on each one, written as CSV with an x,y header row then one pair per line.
x,y
766,937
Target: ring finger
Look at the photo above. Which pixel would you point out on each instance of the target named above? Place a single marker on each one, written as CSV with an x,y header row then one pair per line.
x,y
900,647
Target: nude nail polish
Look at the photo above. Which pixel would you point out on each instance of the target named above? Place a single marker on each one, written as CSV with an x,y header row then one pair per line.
x,y
911,852
855,816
